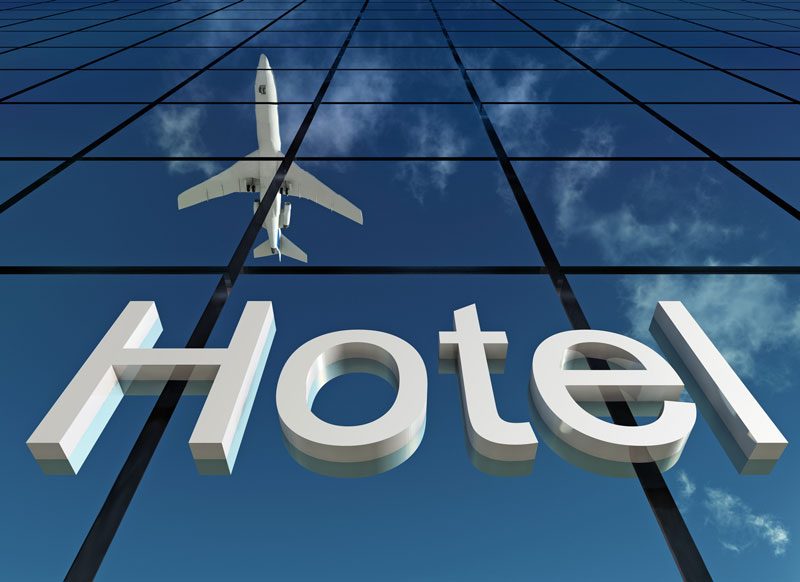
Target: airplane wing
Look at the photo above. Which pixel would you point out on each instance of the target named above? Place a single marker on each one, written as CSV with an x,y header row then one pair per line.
x,y
304,185
233,179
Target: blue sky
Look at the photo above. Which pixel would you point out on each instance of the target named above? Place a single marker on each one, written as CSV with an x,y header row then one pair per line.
x,y
435,516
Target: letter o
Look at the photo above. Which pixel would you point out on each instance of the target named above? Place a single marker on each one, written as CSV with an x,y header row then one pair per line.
x,y
328,356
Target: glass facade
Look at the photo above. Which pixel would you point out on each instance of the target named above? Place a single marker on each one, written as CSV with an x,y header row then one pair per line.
x,y
561,164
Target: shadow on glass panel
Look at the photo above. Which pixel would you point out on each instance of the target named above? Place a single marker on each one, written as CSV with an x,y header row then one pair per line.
x,y
575,360
484,464
494,467
742,464
353,470
588,462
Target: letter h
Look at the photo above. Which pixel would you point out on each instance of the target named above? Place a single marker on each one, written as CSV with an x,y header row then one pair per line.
x,y
125,363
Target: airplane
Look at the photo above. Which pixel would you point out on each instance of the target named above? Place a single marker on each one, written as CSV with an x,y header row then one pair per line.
x,y
256,175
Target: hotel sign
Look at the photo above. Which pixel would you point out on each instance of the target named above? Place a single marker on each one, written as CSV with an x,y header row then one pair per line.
x,y
571,372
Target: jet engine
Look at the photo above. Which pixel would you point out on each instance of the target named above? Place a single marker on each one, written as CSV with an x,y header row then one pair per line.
x,y
286,214
252,184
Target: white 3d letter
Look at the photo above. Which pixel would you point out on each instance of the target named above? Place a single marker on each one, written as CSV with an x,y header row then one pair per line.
x,y
324,358
752,429
66,435
556,393
489,434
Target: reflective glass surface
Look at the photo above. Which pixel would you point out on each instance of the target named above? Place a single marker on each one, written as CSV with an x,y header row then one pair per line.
x,y
558,164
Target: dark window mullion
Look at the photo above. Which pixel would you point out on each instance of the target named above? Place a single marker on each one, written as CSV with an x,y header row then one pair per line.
x,y
679,539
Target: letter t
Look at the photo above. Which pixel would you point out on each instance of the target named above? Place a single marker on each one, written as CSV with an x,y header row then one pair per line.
x,y
489,434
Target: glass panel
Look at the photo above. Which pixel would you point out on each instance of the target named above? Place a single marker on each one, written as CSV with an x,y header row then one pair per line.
x,y
783,81
376,23
701,38
397,58
655,213
97,85
392,130
635,58
13,80
155,58
366,37
687,86
14,38
211,39
557,130
287,38
542,85
92,38
56,130
493,39
780,177
515,58
740,130
777,37
753,57
44,57
238,85
591,36
391,85
303,58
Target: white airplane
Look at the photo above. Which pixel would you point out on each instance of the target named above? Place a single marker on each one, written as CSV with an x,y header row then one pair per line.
x,y
256,175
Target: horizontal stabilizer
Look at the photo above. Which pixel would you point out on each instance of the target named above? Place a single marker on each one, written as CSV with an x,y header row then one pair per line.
x,y
288,249
263,250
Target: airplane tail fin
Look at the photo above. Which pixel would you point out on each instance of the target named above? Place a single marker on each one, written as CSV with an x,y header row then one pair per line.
x,y
285,247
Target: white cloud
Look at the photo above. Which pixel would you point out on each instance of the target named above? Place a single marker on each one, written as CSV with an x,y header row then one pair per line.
x,y
732,547
178,135
622,234
521,86
737,525
431,137
587,34
572,179
772,531
337,128
687,485
736,521
521,126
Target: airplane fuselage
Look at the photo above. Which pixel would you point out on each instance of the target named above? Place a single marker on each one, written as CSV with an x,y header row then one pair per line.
x,y
269,145
267,170
254,174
